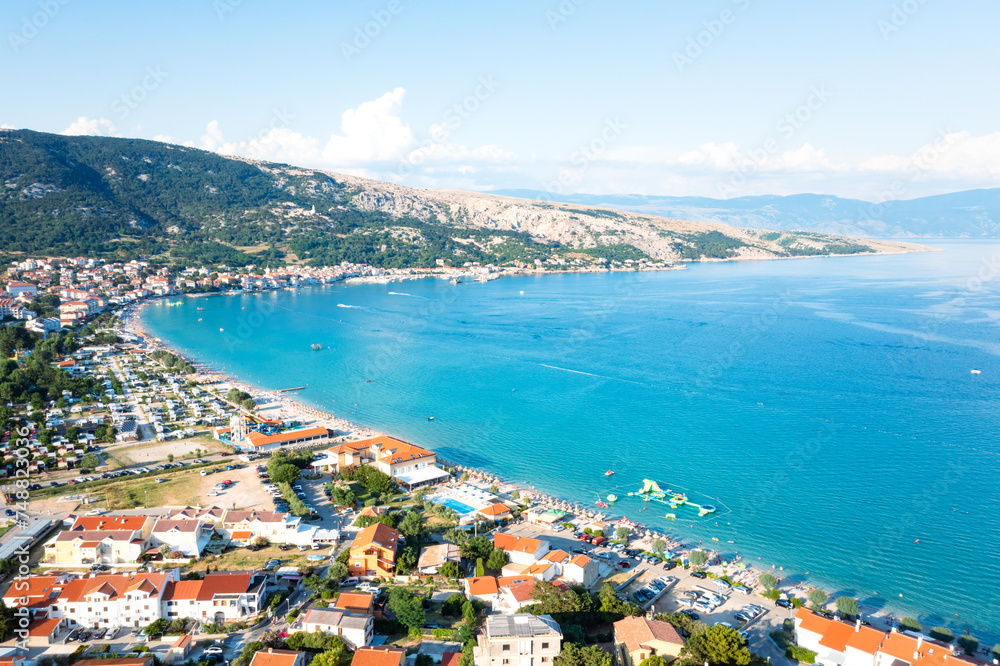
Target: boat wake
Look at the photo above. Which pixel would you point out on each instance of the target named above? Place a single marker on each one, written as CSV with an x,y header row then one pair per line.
x,y
344,305
590,374
399,293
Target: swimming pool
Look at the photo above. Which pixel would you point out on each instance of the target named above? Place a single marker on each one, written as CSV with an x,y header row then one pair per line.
x,y
452,504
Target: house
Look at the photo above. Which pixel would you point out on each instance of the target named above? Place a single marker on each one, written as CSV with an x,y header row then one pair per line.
x,y
522,550
838,643
518,593
258,442
379,656
187,536
272,657
355,629
497,511
638,638
344,455
16,289
581,570
360,603
105,600
117,540
521,639
219,597
180,650
43,632
373,552
432,557
272,525
483,588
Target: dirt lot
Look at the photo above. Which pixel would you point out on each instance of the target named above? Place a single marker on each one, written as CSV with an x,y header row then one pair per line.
x,y
157,452
245,493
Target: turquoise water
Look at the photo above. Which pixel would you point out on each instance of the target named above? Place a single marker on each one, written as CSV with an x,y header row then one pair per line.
x,y
827,403
452,504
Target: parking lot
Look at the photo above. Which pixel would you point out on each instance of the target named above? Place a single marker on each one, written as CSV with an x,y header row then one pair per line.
x,y
669,599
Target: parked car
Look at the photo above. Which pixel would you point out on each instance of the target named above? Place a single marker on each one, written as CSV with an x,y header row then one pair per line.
x,y
740,617
722,584
659,585
10,512
783,603
700,575
73,635
624,564
690,613
742,590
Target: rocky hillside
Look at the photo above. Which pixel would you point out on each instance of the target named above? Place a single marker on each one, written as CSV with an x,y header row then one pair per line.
x,y
124,197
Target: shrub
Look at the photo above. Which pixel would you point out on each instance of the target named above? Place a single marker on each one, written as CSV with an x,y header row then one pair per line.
x,y
910,624
942,634
801,654
968,643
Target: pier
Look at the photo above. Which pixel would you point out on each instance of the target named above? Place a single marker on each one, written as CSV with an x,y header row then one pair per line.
x,y
294,388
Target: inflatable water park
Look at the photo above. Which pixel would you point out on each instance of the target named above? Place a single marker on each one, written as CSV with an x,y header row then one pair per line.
x,y
651,492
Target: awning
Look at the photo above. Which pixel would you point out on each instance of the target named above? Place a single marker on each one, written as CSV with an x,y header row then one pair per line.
x,y
241,536
324,462
423,475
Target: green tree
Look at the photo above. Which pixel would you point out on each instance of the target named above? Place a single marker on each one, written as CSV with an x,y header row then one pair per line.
x,y
622,533
413,528
910,624
476,547
578,655
698,558
164,550
452,606
718,646
286,473
659,545
8,621
90,461
768,581
480,570
498,559
969,644
338,656
407,608
816,597
684,624
465,476
653,660
942,634
248,404
170,457
469,613
847,606
449,570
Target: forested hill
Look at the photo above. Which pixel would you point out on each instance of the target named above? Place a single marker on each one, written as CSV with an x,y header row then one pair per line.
x,y
111,197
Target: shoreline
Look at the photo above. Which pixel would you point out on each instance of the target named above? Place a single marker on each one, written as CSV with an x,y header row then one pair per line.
x,y
793,582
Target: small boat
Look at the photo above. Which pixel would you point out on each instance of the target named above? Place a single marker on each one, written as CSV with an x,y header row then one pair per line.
x,y
200,309
430,418
609,473
199,318
316,347
456,281
221,330
601,504
976,372
368,381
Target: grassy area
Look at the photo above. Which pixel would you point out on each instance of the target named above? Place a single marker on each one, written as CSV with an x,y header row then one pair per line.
x,y
243,558
784,637
102,485
177,490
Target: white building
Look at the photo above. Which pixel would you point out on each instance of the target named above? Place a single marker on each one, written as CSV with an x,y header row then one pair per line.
x,y
357,630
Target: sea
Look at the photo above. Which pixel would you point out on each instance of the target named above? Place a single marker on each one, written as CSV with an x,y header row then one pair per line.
x,y
827,407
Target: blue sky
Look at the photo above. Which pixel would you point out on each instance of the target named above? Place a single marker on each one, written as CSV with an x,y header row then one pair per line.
x,y
721,98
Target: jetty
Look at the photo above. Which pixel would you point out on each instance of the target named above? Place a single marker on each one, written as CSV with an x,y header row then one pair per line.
x,y
294,388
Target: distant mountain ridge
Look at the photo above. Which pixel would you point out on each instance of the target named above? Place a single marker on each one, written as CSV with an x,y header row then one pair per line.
x,y
104,196
966,214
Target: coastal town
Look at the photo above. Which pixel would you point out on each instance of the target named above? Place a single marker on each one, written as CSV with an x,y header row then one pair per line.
x,y
159,512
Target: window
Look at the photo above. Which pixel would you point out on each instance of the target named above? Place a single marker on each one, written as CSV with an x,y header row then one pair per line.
x,y
545,646
506,647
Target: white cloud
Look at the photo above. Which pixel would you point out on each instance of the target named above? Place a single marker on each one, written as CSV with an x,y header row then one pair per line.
x,y
957,154
373,132
92,127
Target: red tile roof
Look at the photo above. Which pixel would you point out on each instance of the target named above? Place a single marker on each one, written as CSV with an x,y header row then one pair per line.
x,y
224,583
516,544
812,622
355,602
260,439
837,635
376,533
866,640
110,523
43,627
379,656
636,632
483,585
271,657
